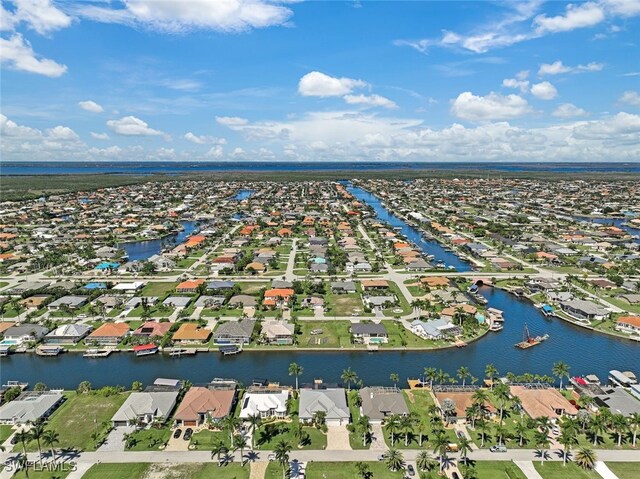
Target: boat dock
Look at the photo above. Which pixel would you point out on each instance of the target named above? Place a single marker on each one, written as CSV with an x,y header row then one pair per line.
x,y
43,350
97,353
230,349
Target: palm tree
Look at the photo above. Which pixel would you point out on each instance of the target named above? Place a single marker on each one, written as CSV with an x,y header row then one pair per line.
x,y
231,423
51,438
422,424
37,429
364,425
424,461
620,426
282,450
501,393
349,376
501,433
521,429
440,445
430,374
406,425
560,370
544,424
480,397
363,470
392,423
568,437
585,458
542,443
254,421
219,448
634,425
490,371
463,373
295,370
483,427
23,436
394,460
465,447
239,442
393,377
597,426
472,413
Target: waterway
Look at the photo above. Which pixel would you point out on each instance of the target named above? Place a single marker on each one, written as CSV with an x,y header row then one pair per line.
x,y
141,250
412,234
618,222
242,195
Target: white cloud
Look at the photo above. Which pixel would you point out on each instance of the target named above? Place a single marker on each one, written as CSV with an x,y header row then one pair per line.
x,y
131,126
318,84
10,129
370,100
522,85
231,121
179,17
557,67
630,98
568,110
99,136
626,8
91,106
491,107
544,90
62,133
17,53
40,15
215,152
576,16
203,139
109,152
239,153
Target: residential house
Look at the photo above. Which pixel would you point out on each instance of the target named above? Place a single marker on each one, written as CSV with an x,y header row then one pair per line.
x,y
628,324
547,402
377,403
109,334
331,401
191,333
72,302
235,332
68,334
201,404
278,332
30,407
435,329
369,333
265,403
152,329
145,407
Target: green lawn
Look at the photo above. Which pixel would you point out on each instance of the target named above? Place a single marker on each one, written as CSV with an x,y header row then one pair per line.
x,y
205,440
79,416
150,439
624,470
5,431
346,470
116,471
41,474
399,336
344,304
335,334
158,289
252,287
268,435
498,470
557,470
355,438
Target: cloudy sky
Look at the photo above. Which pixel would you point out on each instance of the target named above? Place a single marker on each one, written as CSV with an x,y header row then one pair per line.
x,y
316,81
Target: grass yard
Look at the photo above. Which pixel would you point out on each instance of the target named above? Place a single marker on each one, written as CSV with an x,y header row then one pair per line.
x,y
117,471
335,334
624,470
41,475
205,440
344,304
399,337
158,289
5,431
150,439
556,470
355,438
268,435
498,470
252,287
74,420
347,470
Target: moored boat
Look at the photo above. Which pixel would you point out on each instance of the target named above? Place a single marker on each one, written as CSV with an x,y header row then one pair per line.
x,y
145,349
530,341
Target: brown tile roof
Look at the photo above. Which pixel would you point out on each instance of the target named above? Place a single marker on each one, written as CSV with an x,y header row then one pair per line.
x,y
202,400
115,330
191,332
543,402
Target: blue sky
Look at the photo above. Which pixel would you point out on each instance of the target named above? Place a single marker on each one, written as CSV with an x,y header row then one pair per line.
x,y
276,80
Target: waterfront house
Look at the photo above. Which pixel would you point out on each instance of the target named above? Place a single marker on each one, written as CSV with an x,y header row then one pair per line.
x,y
145,408
379,402
277,332
265,403
331,401
369,333
628,324
583,309
440,328
462,401
109,334
23,333
235,332
72,302
30,406
191,333
201,404
548,402
68,334
152,329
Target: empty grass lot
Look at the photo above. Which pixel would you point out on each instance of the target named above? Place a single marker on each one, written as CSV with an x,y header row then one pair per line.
x,y
347,470
556,470
335,334
41,475
117,471
74,420
158,289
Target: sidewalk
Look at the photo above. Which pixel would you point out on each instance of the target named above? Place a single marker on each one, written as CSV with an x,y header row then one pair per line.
x,y
528,469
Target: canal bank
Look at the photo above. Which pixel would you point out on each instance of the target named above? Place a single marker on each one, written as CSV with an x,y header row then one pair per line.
x,y
142,250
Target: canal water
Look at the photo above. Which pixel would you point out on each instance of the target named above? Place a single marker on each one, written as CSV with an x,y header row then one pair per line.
x,y
242,195
618,222
141,250
430,247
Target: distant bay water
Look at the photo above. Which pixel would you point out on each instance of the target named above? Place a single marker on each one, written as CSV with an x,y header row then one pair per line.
x,y
13,168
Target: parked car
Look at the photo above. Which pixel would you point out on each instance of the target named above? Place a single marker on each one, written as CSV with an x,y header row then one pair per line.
x,y
187,434
454,475
498,448
381,457
460,434
271,457
177,433
411,470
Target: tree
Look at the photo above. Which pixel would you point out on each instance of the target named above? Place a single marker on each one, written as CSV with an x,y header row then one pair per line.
x,y
393,377
394,460
254,421
295,370
560,370
430,374
84,387
406,425
136,386
50,438
491,372
483,427
231,423
35,433
448,409
219,448
542,443
349,376
282,450
521,429
39,387
597,426
22,437
363,470
634,426
392,423
12,393
620,426
320,418
501,393
585,458
364,426
440,445
424,461
568,438
239,442
463,373
465,447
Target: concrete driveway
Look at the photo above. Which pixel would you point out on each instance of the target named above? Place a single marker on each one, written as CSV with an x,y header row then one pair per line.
x,y
338,438
115,439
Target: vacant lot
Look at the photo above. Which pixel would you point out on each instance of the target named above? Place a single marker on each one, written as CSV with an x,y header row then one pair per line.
x,y
166,471
335,334
556,470
158,289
